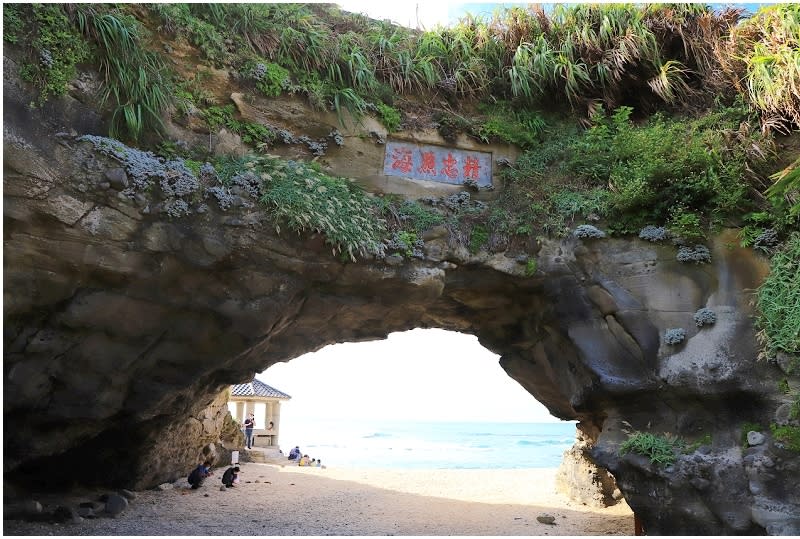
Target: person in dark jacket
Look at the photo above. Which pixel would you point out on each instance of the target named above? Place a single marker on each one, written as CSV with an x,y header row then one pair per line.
x,y
294,453
230,476
199,474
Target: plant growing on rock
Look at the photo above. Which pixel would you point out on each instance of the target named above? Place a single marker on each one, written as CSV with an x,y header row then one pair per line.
x,y
654,233
674,336
661,450
705,317
589,231
778,301
698,254
308,200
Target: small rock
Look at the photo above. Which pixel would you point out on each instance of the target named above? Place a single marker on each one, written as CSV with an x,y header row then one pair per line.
x,y
205,495
94,506
222,488
544,518
117,177
116,504
394,260
128,494
65,514
86,512
699,483
104,185
164,486
140,200
755,438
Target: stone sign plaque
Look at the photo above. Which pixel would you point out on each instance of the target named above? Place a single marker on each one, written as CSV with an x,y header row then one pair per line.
x,y
436,163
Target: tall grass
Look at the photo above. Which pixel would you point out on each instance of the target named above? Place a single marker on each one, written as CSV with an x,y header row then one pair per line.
x,y
135,77
778,302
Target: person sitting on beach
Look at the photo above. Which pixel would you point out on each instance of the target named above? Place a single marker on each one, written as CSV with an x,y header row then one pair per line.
x,y
319,464
303,461
294,453
199,474
313,462
230,476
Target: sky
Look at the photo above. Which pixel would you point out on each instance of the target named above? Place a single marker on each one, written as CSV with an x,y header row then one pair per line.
x,y
422,374
426,15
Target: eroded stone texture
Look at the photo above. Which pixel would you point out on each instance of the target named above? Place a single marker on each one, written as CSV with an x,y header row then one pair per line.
x,y
122,328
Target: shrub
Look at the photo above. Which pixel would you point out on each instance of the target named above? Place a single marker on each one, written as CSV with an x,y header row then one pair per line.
x,y
698,254
654,233
390,117
704,317
686,225
306,199
137,78
788,435
478,238
54,47
778,301
661,450
674,336
271,79
588,231
530,267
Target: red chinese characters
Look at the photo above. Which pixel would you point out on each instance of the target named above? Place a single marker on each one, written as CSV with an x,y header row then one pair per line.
x,y
401,160
472,168
428,165
450,170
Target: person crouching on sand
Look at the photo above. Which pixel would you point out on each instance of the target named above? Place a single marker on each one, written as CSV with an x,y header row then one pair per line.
x,y
199,474
230,476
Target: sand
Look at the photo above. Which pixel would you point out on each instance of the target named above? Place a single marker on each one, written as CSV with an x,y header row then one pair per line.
x,y
289,500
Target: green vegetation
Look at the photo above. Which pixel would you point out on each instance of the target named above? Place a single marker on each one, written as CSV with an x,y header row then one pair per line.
x,y
531,267
390,117
661,450
305,199
478,238
789,435
54,46
778,302
135,77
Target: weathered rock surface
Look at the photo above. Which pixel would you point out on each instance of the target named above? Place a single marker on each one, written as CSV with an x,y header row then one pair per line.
x,y
122,328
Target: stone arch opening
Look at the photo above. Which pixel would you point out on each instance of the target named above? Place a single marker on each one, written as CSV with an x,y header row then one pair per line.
x,y
121,330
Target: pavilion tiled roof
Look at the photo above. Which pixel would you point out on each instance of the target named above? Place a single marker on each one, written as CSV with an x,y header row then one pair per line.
x,y
257,388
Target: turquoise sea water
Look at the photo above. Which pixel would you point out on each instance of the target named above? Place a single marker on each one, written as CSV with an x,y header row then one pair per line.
x,y
420,445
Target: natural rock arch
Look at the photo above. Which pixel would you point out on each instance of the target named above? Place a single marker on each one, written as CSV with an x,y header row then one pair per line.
x,y
121,328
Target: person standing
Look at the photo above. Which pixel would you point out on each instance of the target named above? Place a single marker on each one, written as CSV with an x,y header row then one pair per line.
x,y
249,424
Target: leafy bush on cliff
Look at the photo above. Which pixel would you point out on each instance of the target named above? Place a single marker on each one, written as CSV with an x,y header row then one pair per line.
x,y
53,46
661,450
306,199
778,301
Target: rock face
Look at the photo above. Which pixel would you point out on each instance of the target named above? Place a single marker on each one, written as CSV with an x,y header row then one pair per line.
x,y
122,328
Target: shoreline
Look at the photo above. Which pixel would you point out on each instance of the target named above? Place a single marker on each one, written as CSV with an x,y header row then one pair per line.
x,y
278,500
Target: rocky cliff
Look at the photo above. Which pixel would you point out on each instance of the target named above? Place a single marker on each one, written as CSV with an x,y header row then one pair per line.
x,y
122,325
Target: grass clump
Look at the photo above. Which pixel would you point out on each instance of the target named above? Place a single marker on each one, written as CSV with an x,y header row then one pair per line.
x,y
661,450
305,199
137,81
390,117
788,435
778,301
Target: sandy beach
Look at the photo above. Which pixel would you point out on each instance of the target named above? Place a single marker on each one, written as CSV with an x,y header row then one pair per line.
x,y
280,500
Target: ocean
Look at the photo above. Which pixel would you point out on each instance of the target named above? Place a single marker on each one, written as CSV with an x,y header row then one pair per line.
x,y
429,445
